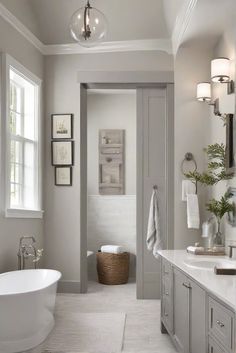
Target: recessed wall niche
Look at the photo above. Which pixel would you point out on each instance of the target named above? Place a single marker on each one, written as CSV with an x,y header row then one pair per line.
x,y
111,162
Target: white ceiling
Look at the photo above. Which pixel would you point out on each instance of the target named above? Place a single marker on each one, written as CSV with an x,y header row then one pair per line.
x,y
128,19
171,9
181,20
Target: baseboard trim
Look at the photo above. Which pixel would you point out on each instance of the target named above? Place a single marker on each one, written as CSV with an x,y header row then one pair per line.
x,y
68,287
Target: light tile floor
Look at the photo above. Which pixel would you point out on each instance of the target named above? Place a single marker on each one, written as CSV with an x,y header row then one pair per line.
x,y
142,329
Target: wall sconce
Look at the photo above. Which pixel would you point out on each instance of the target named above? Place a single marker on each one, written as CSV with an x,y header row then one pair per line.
x,y
204,95
220,72
204,92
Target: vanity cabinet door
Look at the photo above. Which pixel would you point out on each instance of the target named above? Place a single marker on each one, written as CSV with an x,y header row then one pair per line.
x,y
181,311
221,324
198,341
214,347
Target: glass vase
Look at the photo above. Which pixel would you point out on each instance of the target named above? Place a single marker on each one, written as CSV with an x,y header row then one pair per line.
x,y
218,237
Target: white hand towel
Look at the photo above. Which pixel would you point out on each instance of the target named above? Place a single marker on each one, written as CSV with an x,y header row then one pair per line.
x,y
154,240
112,249
188,187
193,217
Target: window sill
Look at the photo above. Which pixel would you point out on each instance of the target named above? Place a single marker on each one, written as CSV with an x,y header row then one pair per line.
x,y
23,213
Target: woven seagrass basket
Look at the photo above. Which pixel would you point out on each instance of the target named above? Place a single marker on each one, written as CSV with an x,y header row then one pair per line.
x,y
113,268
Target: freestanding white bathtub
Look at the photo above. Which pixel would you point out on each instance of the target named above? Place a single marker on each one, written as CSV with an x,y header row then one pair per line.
x,y
27,301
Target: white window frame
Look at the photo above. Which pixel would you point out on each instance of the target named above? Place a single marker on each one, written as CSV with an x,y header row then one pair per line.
x,y
10,63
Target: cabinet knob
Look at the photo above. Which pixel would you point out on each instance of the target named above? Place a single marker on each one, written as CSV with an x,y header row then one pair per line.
x,y
187,285
166,272
165,314
220,323
167,293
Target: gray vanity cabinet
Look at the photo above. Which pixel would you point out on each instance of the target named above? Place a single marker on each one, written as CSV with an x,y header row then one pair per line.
x,y
198,340
196,321
183,310
221,327
167,296
214,347
189,314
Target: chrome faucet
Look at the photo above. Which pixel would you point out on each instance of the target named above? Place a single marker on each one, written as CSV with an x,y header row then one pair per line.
x,y
231,247
26,250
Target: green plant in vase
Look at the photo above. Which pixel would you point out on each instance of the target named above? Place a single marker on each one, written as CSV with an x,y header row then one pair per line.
x,y
216,172
219,208
216,167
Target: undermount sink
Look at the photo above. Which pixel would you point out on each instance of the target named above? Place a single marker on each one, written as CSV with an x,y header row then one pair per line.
x,y
210,264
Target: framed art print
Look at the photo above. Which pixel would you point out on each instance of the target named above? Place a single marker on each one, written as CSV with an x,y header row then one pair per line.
x,y
63,176
62,126
62,153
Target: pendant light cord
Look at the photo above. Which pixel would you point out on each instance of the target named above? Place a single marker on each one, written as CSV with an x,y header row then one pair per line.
x,y
87,32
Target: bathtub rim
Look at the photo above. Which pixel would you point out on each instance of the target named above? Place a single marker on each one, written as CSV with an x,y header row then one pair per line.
x,y
59,274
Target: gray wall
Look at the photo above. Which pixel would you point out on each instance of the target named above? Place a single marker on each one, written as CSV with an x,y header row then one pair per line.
x,y
62,205
17,46
196,122
217,132
191,66
112,220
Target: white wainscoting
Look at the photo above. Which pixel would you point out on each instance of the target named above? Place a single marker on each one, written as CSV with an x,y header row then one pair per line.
x,y
112,220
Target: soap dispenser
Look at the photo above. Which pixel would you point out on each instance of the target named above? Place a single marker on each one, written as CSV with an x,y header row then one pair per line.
x,y
207,233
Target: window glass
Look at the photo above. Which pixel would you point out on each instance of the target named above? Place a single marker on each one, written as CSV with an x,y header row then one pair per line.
x,y
24,153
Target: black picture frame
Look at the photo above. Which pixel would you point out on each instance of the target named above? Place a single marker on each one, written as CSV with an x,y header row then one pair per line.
x,y
71,118
59,164
70,177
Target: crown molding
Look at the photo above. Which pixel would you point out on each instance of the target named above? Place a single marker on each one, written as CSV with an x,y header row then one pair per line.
x,y
21,28
111,47
182,23
164,45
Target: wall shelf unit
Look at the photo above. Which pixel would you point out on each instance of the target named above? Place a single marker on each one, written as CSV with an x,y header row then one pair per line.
x,y
111,162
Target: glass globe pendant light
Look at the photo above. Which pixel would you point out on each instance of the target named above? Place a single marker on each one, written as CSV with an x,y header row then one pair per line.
x,y
88,26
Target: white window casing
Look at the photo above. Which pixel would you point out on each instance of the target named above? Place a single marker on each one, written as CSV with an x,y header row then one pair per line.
x,y
21,145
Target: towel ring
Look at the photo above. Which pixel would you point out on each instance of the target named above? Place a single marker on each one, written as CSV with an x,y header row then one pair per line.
x,y
188,158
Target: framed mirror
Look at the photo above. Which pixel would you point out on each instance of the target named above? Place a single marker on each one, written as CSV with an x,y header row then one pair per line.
x,y
230,143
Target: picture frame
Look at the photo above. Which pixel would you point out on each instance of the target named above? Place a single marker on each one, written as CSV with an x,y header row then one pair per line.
x,y
63,176
62,126
62,153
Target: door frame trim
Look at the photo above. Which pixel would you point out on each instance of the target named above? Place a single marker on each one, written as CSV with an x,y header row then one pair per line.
x,y
121,80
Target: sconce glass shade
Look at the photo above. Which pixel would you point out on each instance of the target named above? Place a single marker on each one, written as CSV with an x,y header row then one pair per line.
x,y
88,26
204,92
220,70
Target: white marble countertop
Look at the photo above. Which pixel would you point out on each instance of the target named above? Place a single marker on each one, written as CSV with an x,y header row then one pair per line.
x,y
222,286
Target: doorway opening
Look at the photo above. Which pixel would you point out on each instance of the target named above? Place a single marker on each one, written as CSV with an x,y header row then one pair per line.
x,y
111,185
154,144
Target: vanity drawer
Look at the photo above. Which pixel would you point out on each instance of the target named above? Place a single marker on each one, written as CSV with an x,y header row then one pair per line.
x,y
221,323
167,287
166,270
167,312
214,347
